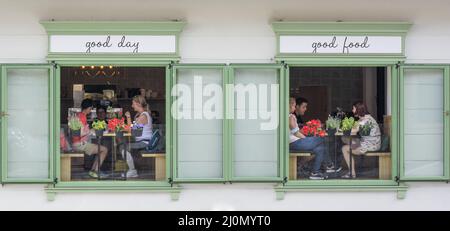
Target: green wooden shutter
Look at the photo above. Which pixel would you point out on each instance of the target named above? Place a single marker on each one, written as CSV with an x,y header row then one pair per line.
x,y
424,122
27,123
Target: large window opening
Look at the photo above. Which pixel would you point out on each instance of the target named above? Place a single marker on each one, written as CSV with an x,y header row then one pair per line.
x,y
112,123
339,123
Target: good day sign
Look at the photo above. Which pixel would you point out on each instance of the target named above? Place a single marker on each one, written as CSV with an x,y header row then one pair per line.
x,y
113,44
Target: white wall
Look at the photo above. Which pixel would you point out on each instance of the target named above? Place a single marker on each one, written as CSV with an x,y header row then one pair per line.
x,y
226,31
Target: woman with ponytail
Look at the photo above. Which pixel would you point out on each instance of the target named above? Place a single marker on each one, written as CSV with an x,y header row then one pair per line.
x,y
143,118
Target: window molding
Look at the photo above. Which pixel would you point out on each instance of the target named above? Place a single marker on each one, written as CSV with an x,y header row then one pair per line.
x,y
330,29
109,186
351,185
164,60
124,28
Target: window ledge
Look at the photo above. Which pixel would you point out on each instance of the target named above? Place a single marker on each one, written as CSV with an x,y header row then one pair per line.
x,y
282,189
173,190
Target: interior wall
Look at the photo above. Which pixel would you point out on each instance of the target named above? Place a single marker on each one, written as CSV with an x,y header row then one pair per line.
x,y
370,89
344,86
128,79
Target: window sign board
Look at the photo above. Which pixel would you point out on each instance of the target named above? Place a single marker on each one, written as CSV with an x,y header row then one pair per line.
x,y
113,44
145,41
331,39
341,44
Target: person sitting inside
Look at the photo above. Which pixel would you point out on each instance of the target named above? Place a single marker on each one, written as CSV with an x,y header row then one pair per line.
x,y
101,113
300,109
299,142
301,105
139,105
81,143
372,142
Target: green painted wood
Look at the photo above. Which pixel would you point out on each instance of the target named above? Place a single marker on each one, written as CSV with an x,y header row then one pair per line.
x,y
401,92
4,124
113,28
281,131
285,27
90,186
340,28
315,62
176,177
401,189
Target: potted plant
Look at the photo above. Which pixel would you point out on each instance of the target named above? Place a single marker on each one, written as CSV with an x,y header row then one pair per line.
x,y
365,129
117,126
313,128
332,125
136,129
99,127
347,125
75,126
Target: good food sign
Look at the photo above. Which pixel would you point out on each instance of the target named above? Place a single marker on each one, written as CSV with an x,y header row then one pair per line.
x,y
340,44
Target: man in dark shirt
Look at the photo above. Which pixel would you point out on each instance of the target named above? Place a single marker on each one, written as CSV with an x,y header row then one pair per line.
x,y
300,109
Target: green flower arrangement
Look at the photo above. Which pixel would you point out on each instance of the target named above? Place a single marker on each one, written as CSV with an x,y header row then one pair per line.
x,y
347,125
75,125
332,124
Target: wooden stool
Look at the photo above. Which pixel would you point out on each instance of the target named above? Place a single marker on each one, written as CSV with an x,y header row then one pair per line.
x,y
160,164
66,164
293,163
384,164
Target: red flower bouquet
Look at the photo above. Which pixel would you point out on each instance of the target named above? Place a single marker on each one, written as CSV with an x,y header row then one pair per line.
x,y
117,125
313,128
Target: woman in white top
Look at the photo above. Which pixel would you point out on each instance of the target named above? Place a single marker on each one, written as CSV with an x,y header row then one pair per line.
x,y
139,105
299,142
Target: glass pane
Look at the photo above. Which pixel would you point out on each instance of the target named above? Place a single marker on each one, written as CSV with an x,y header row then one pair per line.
x,y
96,96
28,127
256,123
200,128
340,123
424,122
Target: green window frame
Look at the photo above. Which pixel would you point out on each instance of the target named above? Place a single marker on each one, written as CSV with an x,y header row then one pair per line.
x,y
339,183
445,69
4,122
130,185
390,61
164,60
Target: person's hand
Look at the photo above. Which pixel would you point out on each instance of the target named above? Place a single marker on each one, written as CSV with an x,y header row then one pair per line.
x,y
127,114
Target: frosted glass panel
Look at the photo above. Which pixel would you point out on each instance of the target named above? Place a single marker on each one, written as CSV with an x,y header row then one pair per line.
x,y
255,148
28,128
424,122
200,137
